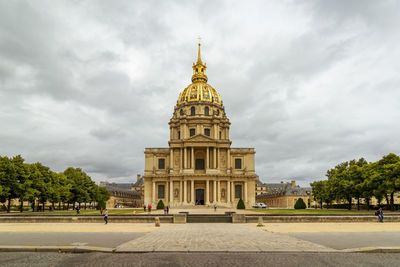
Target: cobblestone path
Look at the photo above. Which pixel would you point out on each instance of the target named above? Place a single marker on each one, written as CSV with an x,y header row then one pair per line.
x,y
218,237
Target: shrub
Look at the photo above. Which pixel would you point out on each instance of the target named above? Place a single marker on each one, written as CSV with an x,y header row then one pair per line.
x,y
240,205
160,205
300,204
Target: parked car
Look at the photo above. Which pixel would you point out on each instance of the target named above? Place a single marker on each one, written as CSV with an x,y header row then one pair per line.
x,y
260,205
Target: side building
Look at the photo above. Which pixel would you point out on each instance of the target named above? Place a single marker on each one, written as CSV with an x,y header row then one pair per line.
x,y
122,195
282,195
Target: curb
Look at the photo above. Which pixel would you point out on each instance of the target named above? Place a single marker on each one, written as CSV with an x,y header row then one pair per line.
x,y
89,249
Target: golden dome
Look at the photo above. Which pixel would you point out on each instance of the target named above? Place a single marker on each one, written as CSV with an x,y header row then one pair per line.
x,y
199,90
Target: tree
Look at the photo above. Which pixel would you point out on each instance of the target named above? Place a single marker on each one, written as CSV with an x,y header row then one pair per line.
x,y
160,205
300,204
240,205
318,191
102,195
9,179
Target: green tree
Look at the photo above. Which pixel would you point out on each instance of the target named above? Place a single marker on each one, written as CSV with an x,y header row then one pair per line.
x,y
9,180
240,205
160,205
300,204
78,180
102,195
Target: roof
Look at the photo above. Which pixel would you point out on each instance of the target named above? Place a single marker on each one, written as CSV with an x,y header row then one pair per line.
x,y
120,192
285,189
139,182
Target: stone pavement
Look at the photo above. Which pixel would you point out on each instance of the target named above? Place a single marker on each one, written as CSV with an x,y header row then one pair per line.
x,y
217,237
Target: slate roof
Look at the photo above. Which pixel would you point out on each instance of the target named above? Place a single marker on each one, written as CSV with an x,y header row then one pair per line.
x,y
284,189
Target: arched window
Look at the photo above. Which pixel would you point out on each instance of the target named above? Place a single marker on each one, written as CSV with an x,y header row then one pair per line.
x,y
206,111
181,112
192,111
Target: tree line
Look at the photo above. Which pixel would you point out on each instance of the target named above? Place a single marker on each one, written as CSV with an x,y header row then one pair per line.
x,y
359,179
37,184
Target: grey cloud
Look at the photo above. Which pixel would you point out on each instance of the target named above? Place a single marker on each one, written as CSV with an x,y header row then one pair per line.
x,y
308,84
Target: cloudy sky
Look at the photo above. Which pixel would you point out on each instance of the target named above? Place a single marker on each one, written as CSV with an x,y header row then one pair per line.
x,y
90,84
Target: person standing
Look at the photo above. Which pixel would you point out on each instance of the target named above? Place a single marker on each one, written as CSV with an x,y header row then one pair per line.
x,y
167,210
149,208
144,208
380,214
106,216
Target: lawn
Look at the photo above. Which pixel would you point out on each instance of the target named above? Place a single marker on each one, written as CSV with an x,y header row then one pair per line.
x,y
83,212
314,211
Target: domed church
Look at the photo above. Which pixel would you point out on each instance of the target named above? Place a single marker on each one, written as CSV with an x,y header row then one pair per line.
x,y
199,167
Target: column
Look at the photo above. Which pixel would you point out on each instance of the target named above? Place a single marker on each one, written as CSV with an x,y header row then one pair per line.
x,y
180,191
215,191
185,158
180,161
233,191
166,193
192,159
208,192
228,160
228,197
153,197
207,159
171,160
184,191
219,190
171,192
192,191
245,191
215,158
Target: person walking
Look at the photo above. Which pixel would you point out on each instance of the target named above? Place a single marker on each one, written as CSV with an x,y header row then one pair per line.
x,y
215,207
379,212
167,209
106,216
149,208
144,208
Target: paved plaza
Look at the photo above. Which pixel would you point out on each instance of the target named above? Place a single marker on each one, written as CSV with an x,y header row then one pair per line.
x,y
201,237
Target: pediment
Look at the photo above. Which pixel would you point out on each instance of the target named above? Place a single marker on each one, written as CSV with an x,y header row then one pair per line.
x,y
200,137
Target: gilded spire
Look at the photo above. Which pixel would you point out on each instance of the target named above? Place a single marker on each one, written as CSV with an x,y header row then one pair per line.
x,y
199,55
199,69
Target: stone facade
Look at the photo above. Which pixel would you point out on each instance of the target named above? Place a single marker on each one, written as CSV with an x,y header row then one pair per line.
x,y
282,195
121,194
199,167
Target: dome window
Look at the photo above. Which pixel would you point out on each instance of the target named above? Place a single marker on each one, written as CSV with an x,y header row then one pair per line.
x,y
206,111
181,112
192,111
207,131
192,132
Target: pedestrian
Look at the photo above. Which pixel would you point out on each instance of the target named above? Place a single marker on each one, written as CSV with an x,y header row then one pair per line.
x,y
167,209
379,213
78,211
106,216
144,208
101,210
215,207
149,208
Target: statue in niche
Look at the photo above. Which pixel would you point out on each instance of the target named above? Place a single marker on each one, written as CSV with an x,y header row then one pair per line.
x,y
223,160
177,160
176,192
223,193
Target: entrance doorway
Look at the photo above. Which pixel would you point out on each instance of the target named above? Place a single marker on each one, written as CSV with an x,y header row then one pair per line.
x,y
199,196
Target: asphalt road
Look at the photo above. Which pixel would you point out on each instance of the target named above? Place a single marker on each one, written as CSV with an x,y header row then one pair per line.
x,y
352,240
199,259
109,239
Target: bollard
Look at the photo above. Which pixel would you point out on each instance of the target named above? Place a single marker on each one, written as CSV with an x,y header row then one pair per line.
x,y
157,221
260,222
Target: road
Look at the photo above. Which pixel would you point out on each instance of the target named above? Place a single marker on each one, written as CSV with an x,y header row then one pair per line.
x,y
352,240
109,240
199,259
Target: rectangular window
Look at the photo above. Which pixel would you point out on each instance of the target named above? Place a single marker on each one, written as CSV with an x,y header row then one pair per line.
x,y
192,132
207,132
199,164
238,191
161,164
220,135
179,134
238,163
161,192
